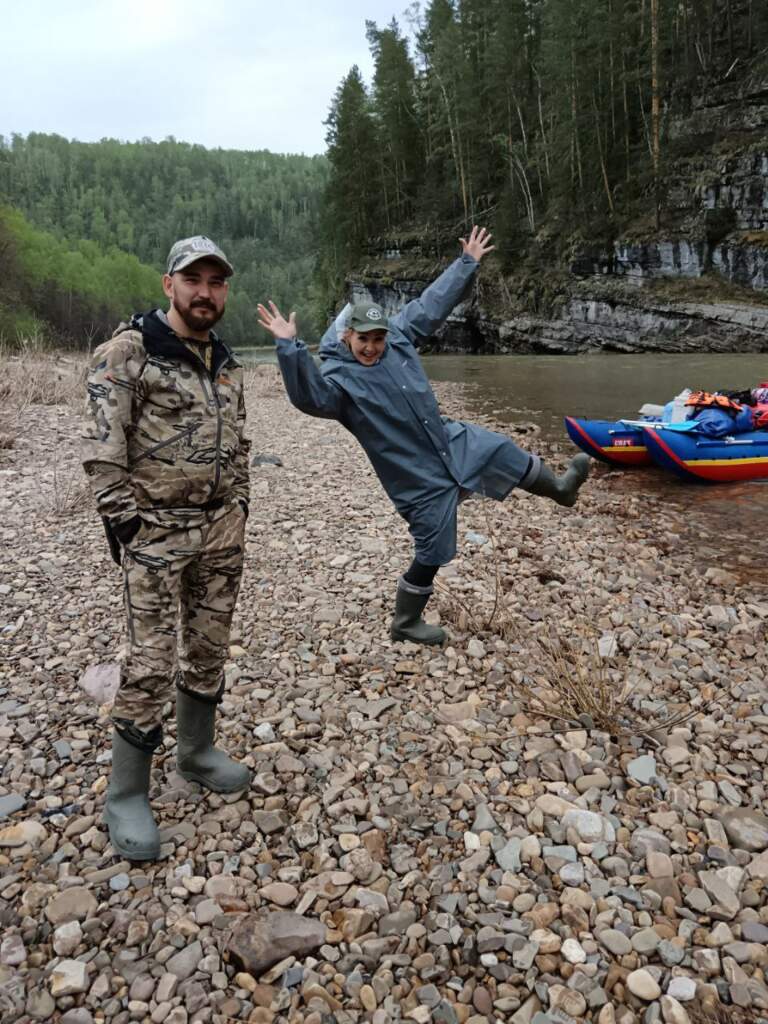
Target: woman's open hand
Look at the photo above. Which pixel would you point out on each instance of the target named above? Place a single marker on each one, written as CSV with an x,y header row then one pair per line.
x,y
478,243
274,321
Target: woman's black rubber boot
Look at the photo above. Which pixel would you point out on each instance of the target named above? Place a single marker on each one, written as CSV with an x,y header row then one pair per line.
x,y
407,623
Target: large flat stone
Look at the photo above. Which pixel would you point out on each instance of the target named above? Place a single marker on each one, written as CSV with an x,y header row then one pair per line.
x,y
257,941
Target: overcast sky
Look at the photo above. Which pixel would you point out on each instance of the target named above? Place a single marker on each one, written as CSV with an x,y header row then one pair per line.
x,y
231,73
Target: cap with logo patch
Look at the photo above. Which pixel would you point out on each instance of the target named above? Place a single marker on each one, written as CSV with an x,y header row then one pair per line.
x,y
190,250
367,316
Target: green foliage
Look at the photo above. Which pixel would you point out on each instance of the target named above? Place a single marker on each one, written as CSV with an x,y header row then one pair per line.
x,y
77,292
131,201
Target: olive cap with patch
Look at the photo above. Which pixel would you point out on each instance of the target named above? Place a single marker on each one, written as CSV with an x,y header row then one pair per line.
x,y
367,316
189,250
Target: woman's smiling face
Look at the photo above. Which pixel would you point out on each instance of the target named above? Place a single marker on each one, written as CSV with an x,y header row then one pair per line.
x,y
366,346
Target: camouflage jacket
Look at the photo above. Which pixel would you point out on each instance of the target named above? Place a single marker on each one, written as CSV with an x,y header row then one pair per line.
x,y
164,436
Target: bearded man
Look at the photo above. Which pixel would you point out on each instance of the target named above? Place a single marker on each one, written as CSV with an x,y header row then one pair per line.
x,y
167,460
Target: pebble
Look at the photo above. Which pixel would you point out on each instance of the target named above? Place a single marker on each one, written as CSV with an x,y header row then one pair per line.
x,y
75,904
642,769
281,893
10,803
645,941
573,952
67,937
22,833
615,942
509,856
68,978
747,829
184,963
672,1012
659,864
591,827
682,989
12,950
643,985
77,1015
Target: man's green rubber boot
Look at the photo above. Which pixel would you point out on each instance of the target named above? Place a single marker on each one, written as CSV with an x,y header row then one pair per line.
x,y
407,623
127,814
197,759
562,489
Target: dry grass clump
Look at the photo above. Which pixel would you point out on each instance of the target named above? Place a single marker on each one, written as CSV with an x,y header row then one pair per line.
x,y
719,1013
33,376
69,491
574,684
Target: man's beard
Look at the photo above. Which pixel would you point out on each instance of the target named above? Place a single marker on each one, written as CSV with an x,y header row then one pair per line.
x,y
197,322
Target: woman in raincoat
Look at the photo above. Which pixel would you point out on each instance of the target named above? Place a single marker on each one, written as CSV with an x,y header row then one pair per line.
x,y
371,380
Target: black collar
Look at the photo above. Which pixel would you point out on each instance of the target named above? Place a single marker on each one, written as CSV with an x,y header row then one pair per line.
x,y
160,340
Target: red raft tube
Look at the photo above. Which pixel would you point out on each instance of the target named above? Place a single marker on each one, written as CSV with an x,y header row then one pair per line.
x,y
701,459
613,442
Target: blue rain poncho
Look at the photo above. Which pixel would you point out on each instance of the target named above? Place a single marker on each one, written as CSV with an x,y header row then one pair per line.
x,y
425,462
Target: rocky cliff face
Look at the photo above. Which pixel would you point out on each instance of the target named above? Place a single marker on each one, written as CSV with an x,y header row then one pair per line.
x,y
716,239
597,319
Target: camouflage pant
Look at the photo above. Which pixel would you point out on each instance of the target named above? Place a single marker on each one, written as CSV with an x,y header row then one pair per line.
x,y
183,574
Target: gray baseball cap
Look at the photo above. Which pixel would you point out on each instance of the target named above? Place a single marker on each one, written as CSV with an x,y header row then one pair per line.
x,y
189,250
367,316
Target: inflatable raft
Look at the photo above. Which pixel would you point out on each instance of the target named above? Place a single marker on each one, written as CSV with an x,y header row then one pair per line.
x,y
698,458
612,442
712,437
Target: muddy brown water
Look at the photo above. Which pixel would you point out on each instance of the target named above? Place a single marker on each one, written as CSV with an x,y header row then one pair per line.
x,y
723,525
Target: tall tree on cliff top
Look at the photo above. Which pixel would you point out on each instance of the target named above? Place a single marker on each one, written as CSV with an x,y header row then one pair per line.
x,y
446,77
352,211
394,109
515,112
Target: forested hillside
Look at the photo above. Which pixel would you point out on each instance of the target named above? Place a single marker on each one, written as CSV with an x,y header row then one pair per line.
x,y
556,121
137,199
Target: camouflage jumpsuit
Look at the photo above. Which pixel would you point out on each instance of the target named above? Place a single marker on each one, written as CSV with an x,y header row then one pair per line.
x,y
164,440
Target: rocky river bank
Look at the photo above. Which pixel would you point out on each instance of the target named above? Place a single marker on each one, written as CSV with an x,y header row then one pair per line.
x,y
560,816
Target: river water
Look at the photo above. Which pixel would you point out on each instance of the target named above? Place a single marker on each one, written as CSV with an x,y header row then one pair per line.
x,y
725,523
